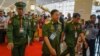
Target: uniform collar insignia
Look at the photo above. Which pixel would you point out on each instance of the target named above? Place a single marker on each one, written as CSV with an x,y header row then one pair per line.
x,y
57,22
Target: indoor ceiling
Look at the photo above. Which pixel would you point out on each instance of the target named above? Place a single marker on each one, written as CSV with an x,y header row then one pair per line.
x,y
7,3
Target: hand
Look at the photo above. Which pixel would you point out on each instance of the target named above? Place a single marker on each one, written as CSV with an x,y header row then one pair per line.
x,y
62,37
10,46
53,52
86,45
62,40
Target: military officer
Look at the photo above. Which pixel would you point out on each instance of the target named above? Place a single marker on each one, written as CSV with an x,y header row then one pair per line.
x,y
18,31
33,25
52,32
72,30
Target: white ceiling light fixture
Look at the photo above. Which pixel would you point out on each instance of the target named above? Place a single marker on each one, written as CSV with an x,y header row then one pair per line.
x,y
32,7
98,0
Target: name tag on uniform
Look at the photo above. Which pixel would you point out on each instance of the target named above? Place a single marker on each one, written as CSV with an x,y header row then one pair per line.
x,y
21,30
76,35
53,35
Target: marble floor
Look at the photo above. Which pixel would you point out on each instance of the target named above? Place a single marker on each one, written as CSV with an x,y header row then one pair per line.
x,y
97,47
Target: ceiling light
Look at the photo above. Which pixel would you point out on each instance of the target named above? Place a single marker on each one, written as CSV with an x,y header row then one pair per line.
x,y
32,7
98,0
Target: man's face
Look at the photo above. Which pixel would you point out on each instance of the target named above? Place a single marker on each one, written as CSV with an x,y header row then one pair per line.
x,y
93,18
56,16
76,19
1,13
20,11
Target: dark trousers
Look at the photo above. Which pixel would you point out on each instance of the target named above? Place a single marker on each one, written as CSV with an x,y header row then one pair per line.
x,y
84,49
2,35
69,50
19,50
97,48
91,44
45,54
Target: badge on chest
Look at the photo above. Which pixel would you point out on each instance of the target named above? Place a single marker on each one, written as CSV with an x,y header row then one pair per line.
x,y
53,36
21,30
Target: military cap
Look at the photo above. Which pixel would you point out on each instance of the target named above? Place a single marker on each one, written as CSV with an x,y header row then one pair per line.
x,y
20,4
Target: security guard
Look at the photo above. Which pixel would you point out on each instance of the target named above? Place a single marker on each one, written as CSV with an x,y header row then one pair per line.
x,y
52,33
72,30
18,31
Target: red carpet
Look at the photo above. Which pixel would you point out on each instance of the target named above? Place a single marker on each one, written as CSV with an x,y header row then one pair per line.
x,y
34,50
4,51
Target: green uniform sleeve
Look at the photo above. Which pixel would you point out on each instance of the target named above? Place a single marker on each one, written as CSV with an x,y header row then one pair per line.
x,y
30,34
66,30
32,24
45,30
10,33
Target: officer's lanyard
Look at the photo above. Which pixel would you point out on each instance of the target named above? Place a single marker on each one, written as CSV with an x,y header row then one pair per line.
x,y
75,28
21,20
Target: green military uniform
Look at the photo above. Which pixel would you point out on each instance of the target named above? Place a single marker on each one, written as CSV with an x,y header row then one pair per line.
x,y
71,35
17,35
33,26
53,32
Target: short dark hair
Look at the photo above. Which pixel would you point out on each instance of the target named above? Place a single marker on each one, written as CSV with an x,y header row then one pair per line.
x,y
75,15
53,11
98,16
93,15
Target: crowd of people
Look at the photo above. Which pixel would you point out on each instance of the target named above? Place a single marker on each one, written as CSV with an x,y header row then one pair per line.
x,y
51,30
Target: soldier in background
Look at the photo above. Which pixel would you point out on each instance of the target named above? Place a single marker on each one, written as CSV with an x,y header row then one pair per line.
x,y
19,30
72,32
33,25
69,18
61,19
